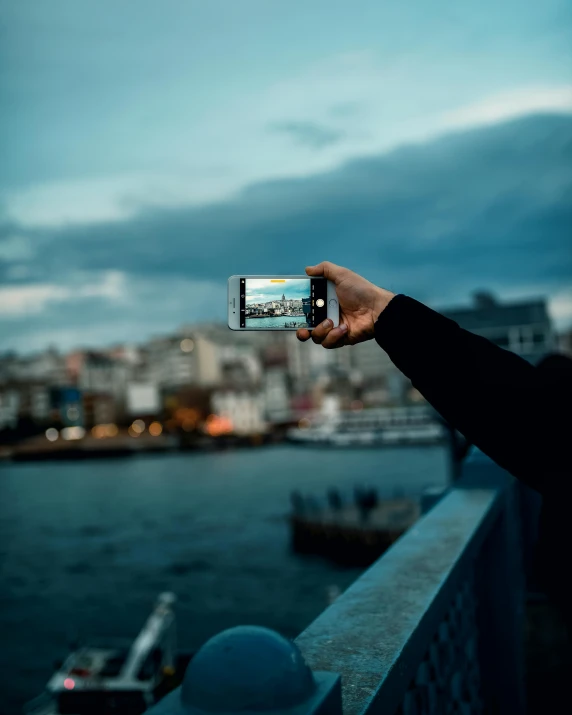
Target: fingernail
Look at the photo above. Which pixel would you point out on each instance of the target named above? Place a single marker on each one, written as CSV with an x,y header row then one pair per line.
x,y
327,323
343,328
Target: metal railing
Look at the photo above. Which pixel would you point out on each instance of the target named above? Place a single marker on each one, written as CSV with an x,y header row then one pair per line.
x,y
435,626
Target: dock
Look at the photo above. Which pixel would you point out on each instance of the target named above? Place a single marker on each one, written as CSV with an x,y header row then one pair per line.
x,y
351,534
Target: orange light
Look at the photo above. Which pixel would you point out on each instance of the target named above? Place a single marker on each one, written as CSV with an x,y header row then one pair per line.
x,y
186,413
133,433
111,430
105,430
155,429
217,425
278,280
69,684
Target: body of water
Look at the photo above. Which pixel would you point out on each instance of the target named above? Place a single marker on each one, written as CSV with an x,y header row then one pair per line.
x,y
274,322
85,547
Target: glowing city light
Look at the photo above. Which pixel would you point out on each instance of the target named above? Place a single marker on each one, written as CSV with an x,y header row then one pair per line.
x,y
216,425
69,684
52,434
155,429
189,425
187,345
72,413
71,433
112,430
105,430
138,426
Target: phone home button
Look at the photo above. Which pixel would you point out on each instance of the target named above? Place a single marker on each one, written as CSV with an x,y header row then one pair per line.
x,y
333,302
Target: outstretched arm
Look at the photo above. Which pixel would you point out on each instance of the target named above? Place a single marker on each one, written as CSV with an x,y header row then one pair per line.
x,y
497,400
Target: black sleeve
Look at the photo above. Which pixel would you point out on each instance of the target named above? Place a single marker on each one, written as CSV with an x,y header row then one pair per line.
x,y
497,400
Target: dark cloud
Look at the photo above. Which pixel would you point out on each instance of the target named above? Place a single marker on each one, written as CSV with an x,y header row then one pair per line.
x,y
487,208
308,134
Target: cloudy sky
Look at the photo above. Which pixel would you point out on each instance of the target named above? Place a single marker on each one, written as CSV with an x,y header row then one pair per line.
x,y
150,150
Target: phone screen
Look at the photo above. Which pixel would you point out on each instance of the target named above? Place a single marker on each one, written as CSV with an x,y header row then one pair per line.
x,y
287,303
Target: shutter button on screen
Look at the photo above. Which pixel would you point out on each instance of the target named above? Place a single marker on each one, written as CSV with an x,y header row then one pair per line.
x,y
320,302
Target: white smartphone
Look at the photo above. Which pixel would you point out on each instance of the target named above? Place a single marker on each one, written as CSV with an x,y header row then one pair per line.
x,y
280,302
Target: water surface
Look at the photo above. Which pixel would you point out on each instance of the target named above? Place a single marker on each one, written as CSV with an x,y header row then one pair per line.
x,y
86,546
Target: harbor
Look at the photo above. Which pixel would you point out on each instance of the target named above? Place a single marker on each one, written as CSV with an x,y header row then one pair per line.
x,y
80,535
383,427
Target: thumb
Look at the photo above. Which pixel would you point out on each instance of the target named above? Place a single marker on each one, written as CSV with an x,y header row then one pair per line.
x,y
326,269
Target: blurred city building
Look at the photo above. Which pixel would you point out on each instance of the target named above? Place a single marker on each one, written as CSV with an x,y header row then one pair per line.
x,y
206,379
522,327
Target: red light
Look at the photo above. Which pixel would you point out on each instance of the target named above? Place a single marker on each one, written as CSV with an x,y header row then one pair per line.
x,y
69,684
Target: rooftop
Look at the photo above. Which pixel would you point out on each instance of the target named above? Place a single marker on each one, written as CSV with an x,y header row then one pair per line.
x,y
487,312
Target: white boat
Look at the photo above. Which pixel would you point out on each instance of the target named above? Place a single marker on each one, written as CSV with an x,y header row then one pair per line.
x,y
115,677
371,427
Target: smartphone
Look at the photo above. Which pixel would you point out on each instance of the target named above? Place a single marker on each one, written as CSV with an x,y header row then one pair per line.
x,y
280,302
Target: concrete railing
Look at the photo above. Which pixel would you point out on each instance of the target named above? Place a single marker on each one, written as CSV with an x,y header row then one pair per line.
x,y
434,626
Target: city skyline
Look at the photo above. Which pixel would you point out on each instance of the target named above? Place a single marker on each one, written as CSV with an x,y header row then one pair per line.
x,y
261,290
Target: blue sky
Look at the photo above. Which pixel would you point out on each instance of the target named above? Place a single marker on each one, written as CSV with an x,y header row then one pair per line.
x,y
152,149
259,290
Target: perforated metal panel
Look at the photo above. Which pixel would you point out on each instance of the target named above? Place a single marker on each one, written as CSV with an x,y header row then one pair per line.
x,y
447,681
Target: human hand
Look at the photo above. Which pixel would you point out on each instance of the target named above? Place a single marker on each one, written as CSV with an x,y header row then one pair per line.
x,y
360,303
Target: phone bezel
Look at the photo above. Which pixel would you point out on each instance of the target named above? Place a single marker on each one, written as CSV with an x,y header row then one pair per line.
x,y
233,302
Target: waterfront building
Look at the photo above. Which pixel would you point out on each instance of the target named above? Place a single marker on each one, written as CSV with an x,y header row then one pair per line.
x,y
47,367
523,327
244,409
181,359
9,408
276,395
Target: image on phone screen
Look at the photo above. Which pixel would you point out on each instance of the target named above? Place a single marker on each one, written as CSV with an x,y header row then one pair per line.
x,y
282,302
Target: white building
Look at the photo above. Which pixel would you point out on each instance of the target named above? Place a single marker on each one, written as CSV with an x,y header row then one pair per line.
x,y
276,395
184,359
245,410
9,408
47,367
239,364
98,373
40,404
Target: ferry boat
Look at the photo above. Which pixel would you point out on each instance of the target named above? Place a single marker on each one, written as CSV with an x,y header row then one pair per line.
x,y
371,427
120,678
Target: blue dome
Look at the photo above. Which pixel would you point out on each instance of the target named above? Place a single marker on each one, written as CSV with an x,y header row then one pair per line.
x,y
247,668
